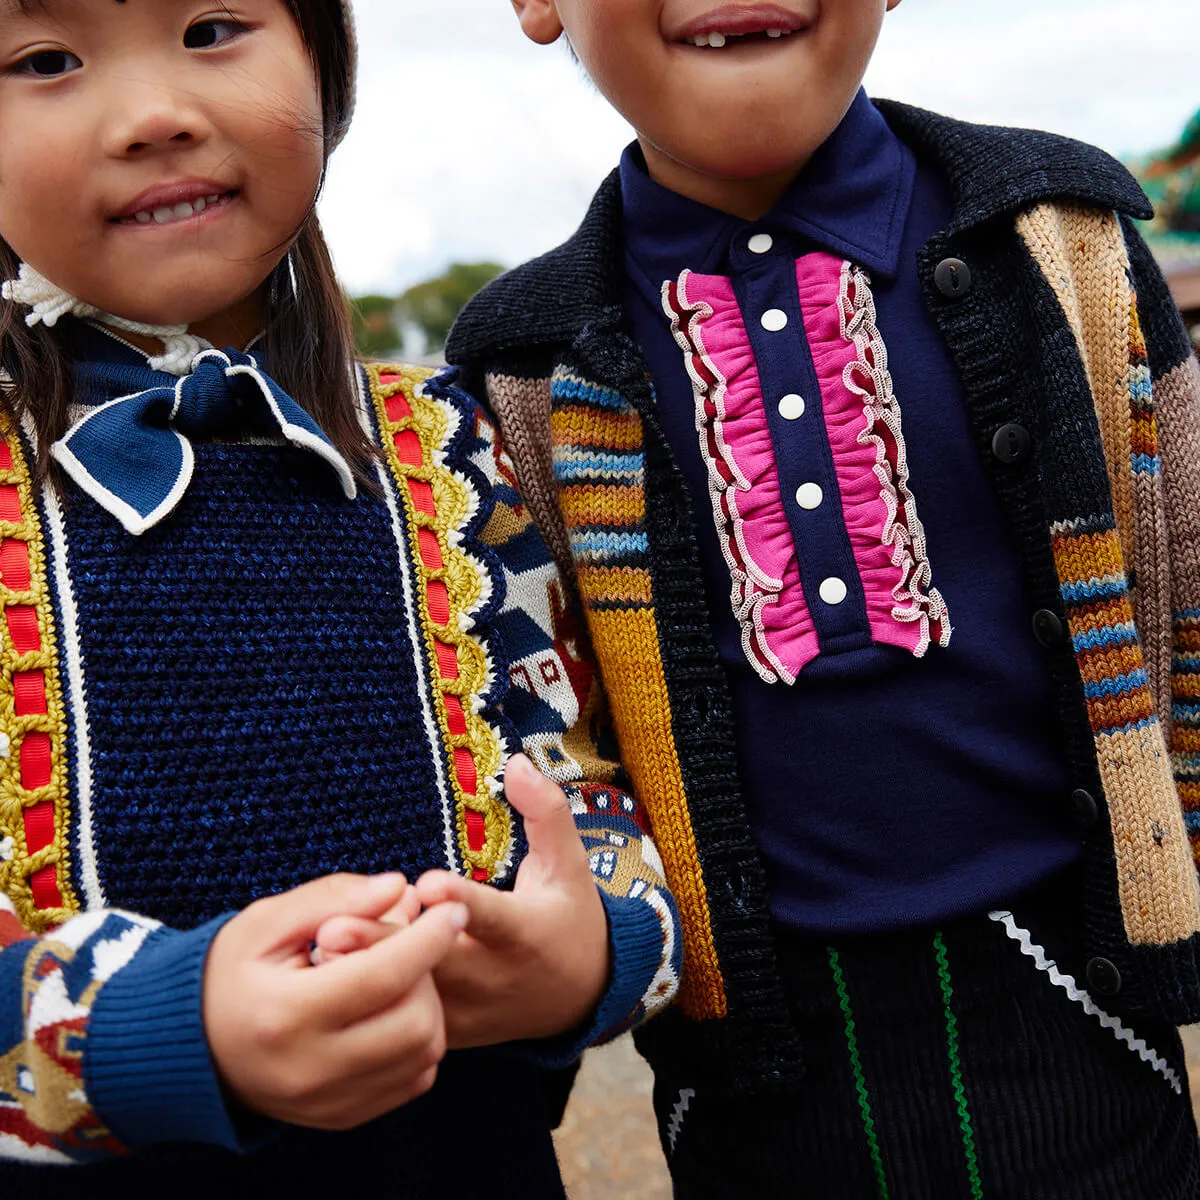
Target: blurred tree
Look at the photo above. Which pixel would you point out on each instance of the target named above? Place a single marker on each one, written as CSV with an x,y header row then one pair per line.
x,y
432,306
375,331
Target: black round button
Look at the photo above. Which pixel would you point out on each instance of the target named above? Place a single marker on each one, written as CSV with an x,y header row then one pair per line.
x,y
1012,443
1048,628
952,277
1084,809
1103,977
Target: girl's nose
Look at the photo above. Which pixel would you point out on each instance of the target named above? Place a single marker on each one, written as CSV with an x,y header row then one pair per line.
x,y
151,119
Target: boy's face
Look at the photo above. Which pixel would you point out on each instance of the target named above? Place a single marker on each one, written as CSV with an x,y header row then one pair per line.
x,y
768,84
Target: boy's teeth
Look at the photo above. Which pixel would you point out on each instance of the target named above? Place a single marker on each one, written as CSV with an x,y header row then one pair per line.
x,y
716,40
143,218
773,33
163,215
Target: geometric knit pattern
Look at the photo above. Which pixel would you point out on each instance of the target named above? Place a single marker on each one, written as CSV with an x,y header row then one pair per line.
x,y
47,988
1122,635
467,590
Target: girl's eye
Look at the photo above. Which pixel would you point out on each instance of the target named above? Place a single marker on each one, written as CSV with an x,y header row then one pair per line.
x,y
48,64
206,35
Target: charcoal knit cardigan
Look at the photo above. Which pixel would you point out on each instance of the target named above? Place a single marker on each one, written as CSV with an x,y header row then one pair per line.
x,y
1066,329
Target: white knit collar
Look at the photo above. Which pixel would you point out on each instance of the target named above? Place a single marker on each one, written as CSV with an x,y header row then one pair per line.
x,y
49,302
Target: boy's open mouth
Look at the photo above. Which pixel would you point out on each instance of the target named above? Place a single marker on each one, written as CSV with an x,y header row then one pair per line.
x,y
734,25
719,40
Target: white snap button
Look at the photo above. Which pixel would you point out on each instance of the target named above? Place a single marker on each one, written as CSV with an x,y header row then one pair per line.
x,y
809,495
833,590
760,243
791,407
774,319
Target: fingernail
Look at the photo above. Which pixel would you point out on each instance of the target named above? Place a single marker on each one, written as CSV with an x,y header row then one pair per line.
x,y
459,916
388,882
523,767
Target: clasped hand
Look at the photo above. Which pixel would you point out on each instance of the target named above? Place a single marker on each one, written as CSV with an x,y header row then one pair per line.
x,y
337,1046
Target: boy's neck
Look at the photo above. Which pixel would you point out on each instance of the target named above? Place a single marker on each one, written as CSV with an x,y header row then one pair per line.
x,y
748,199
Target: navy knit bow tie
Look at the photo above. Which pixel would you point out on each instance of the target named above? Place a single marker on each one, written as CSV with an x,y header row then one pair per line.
x,y
133,457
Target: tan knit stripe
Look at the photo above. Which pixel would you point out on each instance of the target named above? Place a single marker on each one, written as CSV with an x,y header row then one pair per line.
x,y
1082,256
1177,401
523,408
1156,874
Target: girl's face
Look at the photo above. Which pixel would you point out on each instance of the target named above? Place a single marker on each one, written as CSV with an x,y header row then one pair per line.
x,y
156,156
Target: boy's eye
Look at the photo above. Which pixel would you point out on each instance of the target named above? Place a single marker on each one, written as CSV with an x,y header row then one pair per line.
x,y
205,35
47,64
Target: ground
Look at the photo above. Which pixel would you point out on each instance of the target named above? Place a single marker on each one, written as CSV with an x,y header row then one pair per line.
x,y
608,1146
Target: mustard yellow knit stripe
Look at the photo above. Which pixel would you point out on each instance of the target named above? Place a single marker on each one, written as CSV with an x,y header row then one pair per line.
x,y
626,644
436,503
18,866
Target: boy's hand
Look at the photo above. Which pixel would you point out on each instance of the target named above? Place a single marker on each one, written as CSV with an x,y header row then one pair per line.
x,y
334,1047
533,962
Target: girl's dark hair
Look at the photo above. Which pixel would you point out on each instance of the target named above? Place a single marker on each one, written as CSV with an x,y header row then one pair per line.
x,y
308,336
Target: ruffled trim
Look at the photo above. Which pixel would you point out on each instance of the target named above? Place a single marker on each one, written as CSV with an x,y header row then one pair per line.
x,y
915,600
752,587
426,425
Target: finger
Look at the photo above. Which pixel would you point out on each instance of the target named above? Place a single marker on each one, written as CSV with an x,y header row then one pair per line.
x,y
549,826
495,917
359,985
286,924
409,1037
347,935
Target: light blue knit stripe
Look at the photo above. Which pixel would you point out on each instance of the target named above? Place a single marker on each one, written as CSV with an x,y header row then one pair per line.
x,y
1093,589
1145,464
1110,635
1128,682
588,393
609,544
627,465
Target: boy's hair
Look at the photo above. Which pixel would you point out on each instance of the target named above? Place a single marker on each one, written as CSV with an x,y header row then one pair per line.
x,y
308,339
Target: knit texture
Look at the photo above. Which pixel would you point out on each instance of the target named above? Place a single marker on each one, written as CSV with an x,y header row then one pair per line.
x,y
1021,358
274,684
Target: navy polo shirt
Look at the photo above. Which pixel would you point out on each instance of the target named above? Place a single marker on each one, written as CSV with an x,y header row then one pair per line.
x,y
896,739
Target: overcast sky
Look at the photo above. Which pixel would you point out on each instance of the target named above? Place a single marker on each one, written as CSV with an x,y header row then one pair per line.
x,y
472,143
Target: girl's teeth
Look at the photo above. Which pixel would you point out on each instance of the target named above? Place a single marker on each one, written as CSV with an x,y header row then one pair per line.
x,y
168,215
211,199
163,215
774,33
198,206
184,210
143,218
716,40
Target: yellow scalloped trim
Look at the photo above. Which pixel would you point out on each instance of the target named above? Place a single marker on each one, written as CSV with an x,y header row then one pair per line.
x,y
434,423
15,873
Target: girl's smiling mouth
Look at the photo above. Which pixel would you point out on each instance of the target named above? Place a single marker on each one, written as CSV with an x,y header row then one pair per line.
x,y
174,204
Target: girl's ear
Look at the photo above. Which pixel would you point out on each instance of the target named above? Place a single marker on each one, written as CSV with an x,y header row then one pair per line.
x,y
539,20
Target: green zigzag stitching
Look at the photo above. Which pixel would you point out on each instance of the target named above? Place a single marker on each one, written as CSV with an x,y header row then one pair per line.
x,y
860,1079
956,1075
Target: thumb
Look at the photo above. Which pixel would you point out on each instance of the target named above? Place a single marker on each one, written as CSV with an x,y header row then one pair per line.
x,y
549,826
284,923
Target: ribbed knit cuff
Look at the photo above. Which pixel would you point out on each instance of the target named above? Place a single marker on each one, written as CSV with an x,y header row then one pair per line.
x,y
635,939
147,1067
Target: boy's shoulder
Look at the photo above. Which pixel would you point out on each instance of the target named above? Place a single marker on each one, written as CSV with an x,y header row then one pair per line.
x,y
991,170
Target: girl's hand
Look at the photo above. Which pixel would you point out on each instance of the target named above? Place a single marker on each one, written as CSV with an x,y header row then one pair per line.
x,y
334,1047
533,962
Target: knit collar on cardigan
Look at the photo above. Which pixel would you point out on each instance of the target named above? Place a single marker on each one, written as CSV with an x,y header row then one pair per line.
x,y
991,171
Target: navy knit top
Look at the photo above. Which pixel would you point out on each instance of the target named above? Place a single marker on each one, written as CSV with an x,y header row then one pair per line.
x,y
272,683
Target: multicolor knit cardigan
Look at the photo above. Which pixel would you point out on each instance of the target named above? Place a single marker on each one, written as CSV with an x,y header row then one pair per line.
x,y
102,1049
1067,329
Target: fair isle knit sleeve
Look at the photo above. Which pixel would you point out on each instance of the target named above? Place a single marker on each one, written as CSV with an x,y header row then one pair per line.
x,y
102,1045
1173,375
557,709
